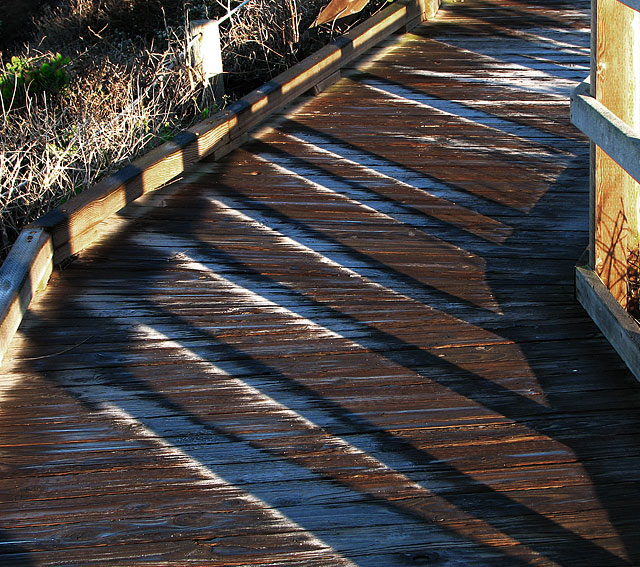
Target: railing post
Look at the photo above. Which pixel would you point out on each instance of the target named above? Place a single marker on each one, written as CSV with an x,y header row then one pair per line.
x,y
428,8
592,146
608,111
616,199
207,55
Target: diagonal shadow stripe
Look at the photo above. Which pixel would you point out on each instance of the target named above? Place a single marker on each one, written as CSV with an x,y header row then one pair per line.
x,y
495,15
208,445
342,253
422,179
411,216
406,214
515,219
487,394
525,133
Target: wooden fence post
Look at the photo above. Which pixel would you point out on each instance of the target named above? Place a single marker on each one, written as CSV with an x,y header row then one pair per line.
x,y
429,8
592,147
617,198
207,55
608,111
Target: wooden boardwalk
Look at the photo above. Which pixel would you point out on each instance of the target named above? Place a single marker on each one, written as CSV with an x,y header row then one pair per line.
x,y
353,342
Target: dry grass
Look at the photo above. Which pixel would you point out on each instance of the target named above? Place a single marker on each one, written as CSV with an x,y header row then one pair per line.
x,y
130,89
54,148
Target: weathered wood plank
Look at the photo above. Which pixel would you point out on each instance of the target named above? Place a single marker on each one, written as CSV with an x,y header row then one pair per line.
x,y
614,136
71,225
76,224
617,231
25,271
260,325
613,320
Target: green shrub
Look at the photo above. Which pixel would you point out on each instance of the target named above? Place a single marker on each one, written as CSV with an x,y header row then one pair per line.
x,y
32,76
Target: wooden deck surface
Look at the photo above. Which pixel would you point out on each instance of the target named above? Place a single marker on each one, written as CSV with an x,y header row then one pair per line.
x,y
353,342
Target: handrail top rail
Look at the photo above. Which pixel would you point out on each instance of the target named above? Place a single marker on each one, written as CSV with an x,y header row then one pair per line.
x,y
617,138
64,231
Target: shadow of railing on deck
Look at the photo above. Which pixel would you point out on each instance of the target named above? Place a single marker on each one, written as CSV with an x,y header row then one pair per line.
x,y
438,485
13,554
452,484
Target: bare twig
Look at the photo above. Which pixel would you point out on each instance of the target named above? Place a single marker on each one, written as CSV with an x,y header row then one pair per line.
x,y
132,90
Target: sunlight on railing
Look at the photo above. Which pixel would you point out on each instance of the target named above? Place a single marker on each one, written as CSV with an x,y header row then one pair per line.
x,y
328,331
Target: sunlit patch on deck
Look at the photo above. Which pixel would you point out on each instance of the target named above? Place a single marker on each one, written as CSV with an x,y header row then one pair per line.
x,y
351,342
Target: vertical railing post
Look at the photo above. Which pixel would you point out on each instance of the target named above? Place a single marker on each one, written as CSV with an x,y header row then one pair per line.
x,y
616,200
207,55
206,50
592,146
428,8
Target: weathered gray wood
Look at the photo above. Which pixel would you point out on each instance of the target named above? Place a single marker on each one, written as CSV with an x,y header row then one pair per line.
x,y
259,327
614,136
207,56
429,8
620,329
26,270
75,225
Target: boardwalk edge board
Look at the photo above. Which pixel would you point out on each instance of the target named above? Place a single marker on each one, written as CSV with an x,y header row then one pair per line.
x,y
70,228
26,270
615,323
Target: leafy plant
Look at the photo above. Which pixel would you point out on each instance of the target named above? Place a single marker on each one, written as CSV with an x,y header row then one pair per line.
x,y
132,87
32,76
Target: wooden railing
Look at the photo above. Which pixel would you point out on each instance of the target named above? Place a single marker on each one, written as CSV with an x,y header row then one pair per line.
x,y
606,107
72,227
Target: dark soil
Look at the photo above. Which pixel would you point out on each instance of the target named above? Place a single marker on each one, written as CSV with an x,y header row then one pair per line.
x,y
141,18
16,19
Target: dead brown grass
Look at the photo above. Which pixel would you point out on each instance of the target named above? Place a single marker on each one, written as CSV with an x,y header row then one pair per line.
x,y
130,88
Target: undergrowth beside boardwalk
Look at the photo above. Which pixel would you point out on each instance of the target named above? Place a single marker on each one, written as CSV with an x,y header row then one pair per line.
x,y
103,81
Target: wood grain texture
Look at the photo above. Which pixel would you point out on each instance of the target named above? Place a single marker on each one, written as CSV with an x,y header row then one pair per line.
x,y
78,223
352,341
72,225
617,193
620,141
429,8
25,271
615,323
